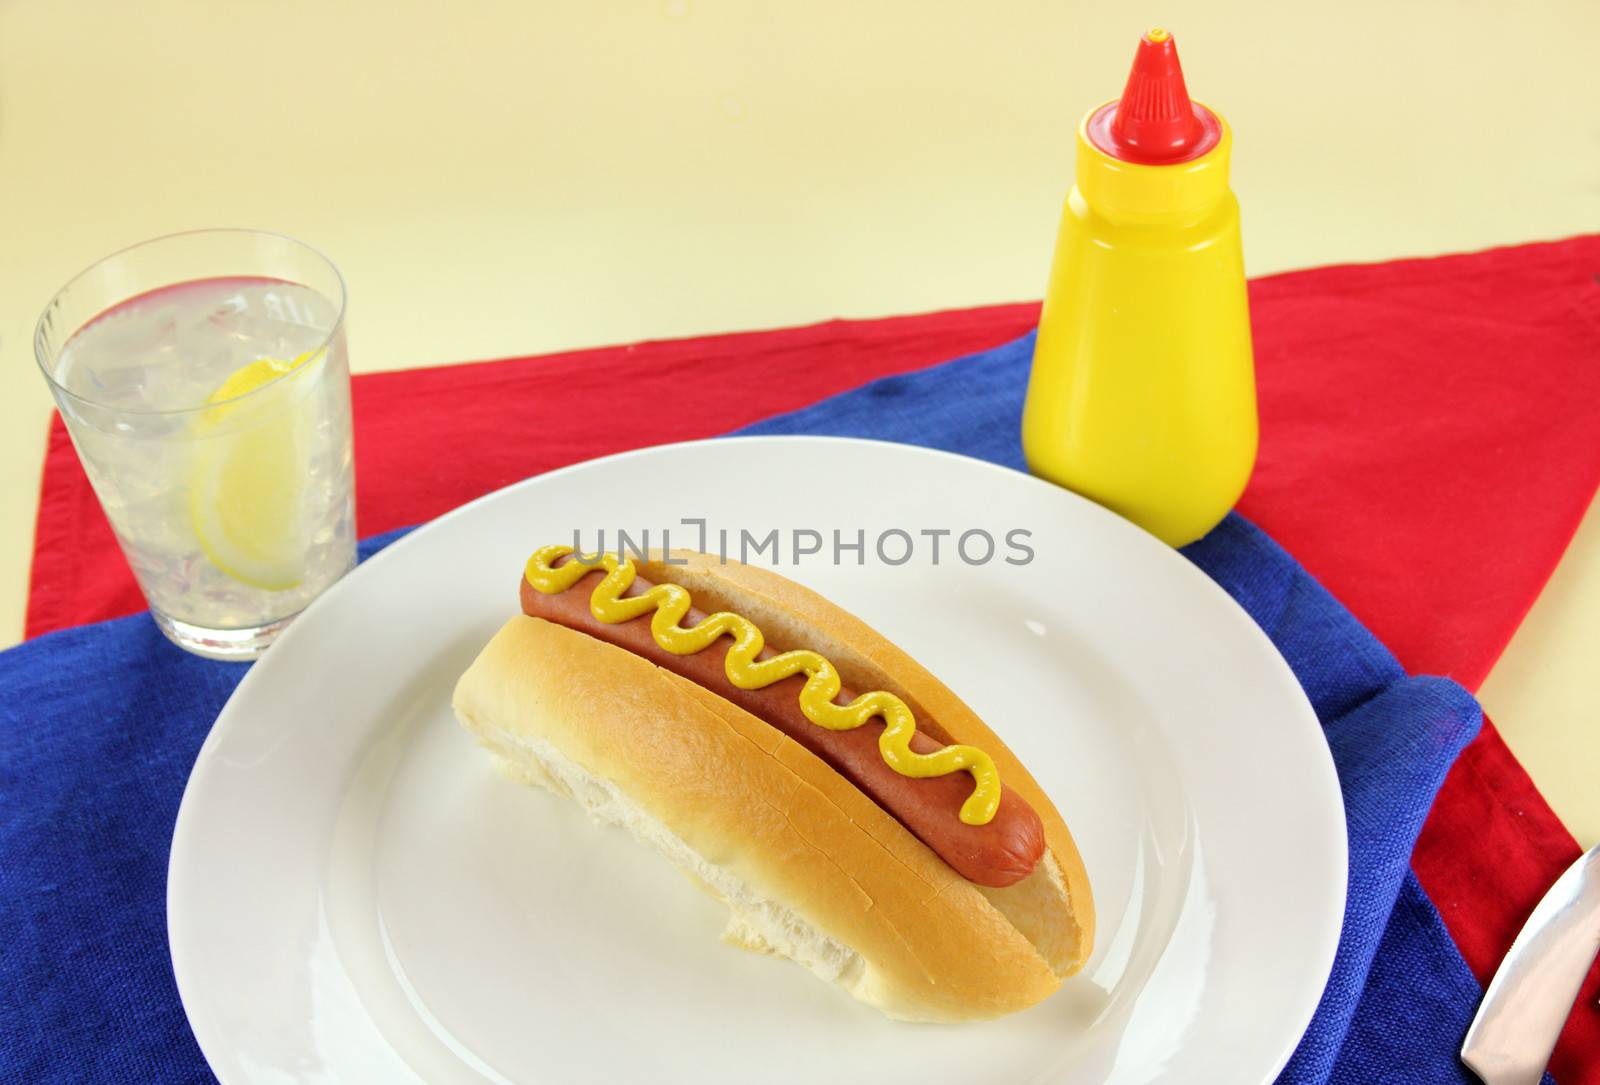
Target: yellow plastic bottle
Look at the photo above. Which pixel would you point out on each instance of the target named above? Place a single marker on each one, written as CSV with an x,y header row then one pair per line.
x,y
1142,395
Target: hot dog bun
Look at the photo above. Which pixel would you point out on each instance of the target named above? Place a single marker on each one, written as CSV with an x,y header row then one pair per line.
x,y
809,866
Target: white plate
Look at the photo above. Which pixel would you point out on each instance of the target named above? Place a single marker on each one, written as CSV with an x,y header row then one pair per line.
x,y
355,896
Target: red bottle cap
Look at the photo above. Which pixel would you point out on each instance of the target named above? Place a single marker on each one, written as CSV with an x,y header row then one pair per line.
x,y
1154,123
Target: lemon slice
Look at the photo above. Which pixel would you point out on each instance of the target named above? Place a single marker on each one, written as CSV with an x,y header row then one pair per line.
x,y
246,492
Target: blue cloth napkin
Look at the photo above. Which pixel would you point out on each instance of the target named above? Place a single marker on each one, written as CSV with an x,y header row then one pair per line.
x,y
100,725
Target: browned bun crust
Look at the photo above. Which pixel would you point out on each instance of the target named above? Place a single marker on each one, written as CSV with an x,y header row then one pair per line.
x,y
810,867
795,616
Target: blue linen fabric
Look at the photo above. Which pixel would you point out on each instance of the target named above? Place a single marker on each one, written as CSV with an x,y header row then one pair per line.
x,y
100,725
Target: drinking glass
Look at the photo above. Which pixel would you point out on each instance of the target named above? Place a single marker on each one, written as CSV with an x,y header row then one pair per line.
x,y
205,383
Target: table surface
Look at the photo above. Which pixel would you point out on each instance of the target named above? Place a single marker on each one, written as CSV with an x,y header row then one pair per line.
x,y
511,178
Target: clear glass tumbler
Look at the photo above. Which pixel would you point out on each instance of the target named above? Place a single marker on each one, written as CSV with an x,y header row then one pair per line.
x,y
205,383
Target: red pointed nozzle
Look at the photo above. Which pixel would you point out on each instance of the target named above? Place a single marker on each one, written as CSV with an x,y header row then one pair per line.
x,y
1154,122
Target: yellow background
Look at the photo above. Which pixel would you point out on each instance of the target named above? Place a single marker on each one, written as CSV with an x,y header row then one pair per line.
x,y
511,178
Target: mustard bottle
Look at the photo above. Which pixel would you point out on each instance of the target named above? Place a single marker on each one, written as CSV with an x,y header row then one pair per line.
x,y
1142,394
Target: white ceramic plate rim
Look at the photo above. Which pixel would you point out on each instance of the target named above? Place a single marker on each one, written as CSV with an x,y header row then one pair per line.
x,y
1331,838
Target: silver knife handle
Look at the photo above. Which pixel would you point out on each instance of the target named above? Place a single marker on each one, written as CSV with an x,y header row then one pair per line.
x,y
1531,995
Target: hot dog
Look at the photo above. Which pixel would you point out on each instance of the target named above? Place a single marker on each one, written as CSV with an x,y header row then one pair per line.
x,y
999,853
891,844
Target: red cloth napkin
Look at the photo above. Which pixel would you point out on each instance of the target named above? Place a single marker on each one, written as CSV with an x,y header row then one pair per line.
x,y
1430,440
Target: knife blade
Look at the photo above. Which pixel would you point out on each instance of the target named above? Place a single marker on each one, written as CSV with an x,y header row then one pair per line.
x,y
1532,993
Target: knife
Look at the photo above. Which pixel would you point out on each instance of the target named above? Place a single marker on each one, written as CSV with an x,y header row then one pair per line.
x,y
1528,1000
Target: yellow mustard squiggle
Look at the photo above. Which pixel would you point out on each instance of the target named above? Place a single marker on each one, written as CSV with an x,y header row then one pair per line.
x,y
671,602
